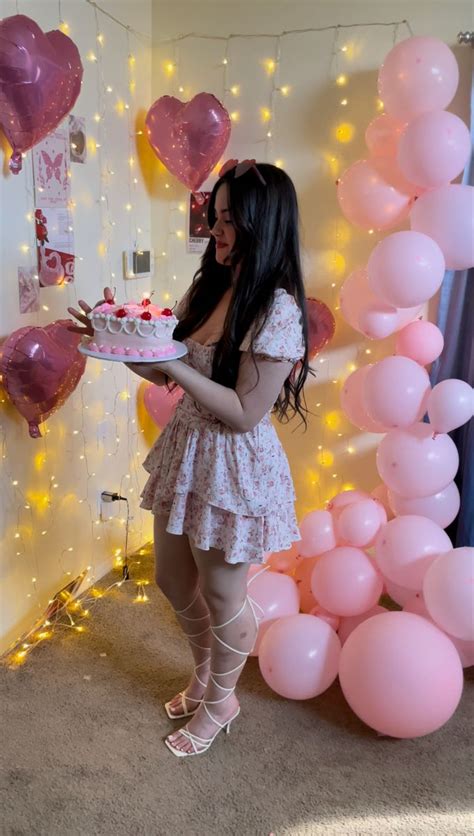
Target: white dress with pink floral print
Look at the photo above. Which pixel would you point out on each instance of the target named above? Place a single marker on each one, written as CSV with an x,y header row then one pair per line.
x,y
224,489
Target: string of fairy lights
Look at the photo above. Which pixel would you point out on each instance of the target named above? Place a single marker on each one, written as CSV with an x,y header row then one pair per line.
x,y
332,442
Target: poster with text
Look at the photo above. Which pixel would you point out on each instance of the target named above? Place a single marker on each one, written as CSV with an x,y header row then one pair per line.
x,y
55,246
198,230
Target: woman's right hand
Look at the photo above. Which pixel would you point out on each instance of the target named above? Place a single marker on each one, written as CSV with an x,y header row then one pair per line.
x,y
87,330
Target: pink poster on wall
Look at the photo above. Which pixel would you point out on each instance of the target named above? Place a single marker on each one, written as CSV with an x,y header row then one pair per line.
x,y
50,169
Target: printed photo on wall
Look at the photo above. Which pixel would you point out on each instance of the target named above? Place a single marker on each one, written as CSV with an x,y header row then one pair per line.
x,y
50,170
198,230
54,246
28,290
77,138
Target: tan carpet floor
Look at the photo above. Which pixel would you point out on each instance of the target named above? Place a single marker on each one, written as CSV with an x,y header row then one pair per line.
x,y
82,751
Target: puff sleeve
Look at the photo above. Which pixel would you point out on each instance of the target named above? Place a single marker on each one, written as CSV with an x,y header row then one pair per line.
x,y
282,335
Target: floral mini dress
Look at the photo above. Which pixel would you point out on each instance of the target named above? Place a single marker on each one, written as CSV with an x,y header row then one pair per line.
x,y
228,490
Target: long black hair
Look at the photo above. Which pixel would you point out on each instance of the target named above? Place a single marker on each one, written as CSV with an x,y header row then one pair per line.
x,y
267,251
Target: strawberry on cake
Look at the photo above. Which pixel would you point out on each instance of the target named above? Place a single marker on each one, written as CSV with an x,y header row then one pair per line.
x,y
134,329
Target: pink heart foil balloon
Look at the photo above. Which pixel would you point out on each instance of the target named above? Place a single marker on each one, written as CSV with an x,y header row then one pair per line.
x,y
40,368
321,326
40,80
188,137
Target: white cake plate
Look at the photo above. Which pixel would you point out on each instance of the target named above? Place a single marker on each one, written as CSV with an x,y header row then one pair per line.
x,y
180,351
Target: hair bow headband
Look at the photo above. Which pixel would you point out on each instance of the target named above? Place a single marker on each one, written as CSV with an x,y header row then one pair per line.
x,y
241,168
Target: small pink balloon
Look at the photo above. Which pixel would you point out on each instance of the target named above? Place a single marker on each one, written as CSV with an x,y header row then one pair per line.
x,y
328,617
299,656
395,391
160,403
383,135
412,462
346,582
434,148
391,172
285,561
418,75
380,494
368,201
188,137
448,592
401,675
340,500
275,595
421,341
303,574
358,524
317,533
450,405
465,649
366,312
406,269
397,593
446,214
353,403
441,507
348,625
407,546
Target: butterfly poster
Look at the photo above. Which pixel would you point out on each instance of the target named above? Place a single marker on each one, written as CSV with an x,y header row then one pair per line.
x,y
51,160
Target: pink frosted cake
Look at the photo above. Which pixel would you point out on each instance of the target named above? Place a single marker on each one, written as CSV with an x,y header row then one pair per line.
x,y
133,329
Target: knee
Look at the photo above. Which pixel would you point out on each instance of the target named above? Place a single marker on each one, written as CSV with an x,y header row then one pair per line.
x,y
221,604
178,593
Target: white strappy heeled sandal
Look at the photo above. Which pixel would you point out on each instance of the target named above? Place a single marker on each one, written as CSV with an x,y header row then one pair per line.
x,y
200,744
182,694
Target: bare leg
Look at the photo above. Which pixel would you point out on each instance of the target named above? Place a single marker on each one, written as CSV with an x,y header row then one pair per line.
x,y
224,587
177,576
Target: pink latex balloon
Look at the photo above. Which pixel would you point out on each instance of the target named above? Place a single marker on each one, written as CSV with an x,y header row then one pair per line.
x,y
303,574
397,593
188,137
434,148
441,507
299,657
413,463
448,592
321,326
450,405
406,547
340,500
328,617
160,403
40,80
368,201
358,523
317,533
406,269
391,172
348,625
41,367
421,341
275,595
401,675
346,582
380,494
285,561
418,75
366,312
383,135
395,391
446,214
465,649
353,404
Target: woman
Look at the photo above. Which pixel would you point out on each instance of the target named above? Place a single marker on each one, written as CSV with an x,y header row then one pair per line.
x,y
220,486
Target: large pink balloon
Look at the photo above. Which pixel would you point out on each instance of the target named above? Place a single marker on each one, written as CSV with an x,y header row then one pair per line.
x,y
448,592
276,595
40,80
299,656
406,547
397,593
464,648
41,367
358,523
406,269
188,137
346,582
420,340
383,135
368,313
348,624
418,75
434,148
160,403
317,533
441,507
450,405
368,201
412,462
395,391
353,403
446,214
401,675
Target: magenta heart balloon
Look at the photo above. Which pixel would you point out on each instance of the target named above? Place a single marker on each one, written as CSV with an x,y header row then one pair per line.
x,y
188,137
40,80
161,404
321,326
41,367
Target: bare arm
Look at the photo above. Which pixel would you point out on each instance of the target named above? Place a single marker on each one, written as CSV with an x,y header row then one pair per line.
x,y
241,408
